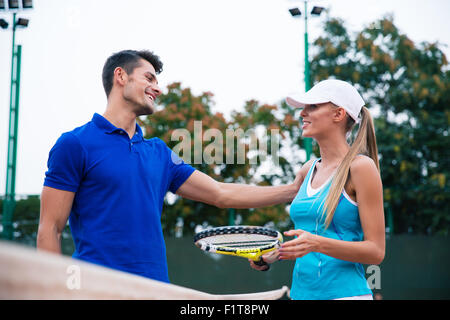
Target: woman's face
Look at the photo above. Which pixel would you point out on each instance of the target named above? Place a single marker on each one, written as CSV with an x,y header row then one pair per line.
x,y
317,119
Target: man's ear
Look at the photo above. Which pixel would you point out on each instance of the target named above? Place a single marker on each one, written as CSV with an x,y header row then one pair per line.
x,y
120,76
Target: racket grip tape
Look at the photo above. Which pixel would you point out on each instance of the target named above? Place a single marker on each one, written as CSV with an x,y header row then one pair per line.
x,y
261,263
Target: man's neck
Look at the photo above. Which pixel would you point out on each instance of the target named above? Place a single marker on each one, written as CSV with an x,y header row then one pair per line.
x,y
121,118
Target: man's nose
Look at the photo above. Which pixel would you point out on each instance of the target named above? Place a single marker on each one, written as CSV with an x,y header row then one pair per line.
x,y
157,90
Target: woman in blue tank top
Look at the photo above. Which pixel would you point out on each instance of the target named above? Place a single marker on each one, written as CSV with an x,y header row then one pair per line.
x,y
338,211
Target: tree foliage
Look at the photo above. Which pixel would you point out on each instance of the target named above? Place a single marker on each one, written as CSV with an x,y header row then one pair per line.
x,y
25,219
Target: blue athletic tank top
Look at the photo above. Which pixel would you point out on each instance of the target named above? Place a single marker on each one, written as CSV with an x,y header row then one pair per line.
x,y
317,276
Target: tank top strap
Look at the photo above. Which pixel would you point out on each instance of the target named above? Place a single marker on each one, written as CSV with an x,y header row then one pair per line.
x,y
310,172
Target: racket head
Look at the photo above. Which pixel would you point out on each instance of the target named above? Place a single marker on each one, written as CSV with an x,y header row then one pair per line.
x,y
242,241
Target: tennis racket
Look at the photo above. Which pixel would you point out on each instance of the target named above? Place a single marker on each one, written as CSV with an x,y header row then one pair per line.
x,y
241,241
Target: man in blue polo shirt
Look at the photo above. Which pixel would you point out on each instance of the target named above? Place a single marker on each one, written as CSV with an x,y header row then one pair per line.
x,y
110,182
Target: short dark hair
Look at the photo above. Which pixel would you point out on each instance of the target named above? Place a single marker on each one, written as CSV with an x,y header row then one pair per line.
x,y
128,60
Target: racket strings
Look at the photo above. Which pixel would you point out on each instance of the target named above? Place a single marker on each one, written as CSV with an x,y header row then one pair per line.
x,y
236,238
237,231
241,241
246,244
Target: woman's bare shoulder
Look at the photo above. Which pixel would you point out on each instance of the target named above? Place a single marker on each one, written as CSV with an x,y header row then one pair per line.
x,y
363,170
306,166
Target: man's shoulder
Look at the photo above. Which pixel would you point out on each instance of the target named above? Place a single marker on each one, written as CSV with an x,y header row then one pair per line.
x,y
154,140
81,134
83,130
77,138
157,142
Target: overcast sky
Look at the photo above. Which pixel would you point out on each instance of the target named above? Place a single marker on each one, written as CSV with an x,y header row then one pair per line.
x,y
237,49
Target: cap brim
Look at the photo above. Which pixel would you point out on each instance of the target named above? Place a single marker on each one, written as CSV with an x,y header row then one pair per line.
x,y
301,100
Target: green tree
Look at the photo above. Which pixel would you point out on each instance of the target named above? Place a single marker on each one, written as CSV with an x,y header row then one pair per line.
x,y
406,86
25,219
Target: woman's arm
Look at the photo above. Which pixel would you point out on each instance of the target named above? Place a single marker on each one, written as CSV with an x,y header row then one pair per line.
x,y
369,195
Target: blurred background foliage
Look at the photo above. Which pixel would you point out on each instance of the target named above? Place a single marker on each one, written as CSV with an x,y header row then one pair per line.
x,y
406,87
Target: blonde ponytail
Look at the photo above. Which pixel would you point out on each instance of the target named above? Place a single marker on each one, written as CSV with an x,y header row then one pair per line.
x,y
365,143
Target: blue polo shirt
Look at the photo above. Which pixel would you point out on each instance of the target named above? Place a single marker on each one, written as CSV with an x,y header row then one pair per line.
x,y
119,186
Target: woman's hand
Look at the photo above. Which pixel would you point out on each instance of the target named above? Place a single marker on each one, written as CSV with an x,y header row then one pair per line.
x,y
303,244
269,257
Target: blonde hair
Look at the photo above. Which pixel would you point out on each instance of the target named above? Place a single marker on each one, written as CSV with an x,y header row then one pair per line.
x,y
364,143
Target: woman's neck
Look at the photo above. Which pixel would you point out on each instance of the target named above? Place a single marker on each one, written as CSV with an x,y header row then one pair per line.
x,y
333,151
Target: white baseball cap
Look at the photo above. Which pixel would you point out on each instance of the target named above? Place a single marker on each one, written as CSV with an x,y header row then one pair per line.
x,y
339,92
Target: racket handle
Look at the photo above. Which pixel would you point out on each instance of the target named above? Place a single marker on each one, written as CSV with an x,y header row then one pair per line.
x,y
261,263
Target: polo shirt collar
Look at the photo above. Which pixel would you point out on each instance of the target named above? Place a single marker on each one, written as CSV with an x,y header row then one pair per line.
x,y
103,124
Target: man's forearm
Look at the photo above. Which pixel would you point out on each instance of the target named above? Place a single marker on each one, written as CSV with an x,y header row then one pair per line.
x,y
49,239
242,196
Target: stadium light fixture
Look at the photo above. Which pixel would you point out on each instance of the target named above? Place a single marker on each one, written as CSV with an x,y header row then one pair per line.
x,y
16,4
295,12
3,24
317,10
13,4
27,4
22,22
9,202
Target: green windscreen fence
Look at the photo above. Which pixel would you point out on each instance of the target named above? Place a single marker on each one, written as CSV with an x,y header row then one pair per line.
x,y
415,267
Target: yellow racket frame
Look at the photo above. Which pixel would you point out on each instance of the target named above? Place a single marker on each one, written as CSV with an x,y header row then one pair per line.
x,y
253,254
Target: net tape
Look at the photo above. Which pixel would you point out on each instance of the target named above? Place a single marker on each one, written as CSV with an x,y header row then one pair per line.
x,y
26,273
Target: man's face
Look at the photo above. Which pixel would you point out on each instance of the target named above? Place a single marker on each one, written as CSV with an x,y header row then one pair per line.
x,y
141,89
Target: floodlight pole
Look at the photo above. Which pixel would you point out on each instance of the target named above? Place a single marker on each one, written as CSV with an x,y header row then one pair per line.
x,y
9,202
307,141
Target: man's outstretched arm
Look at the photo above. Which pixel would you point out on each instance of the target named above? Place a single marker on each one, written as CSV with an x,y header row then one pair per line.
x,y
201,187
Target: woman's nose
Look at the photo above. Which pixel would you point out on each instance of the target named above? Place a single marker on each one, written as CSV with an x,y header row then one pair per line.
x,y
303,113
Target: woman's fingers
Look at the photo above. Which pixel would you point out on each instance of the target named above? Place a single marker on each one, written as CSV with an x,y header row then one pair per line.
x,y
271,256
292,233
291,252
294,248
293,242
